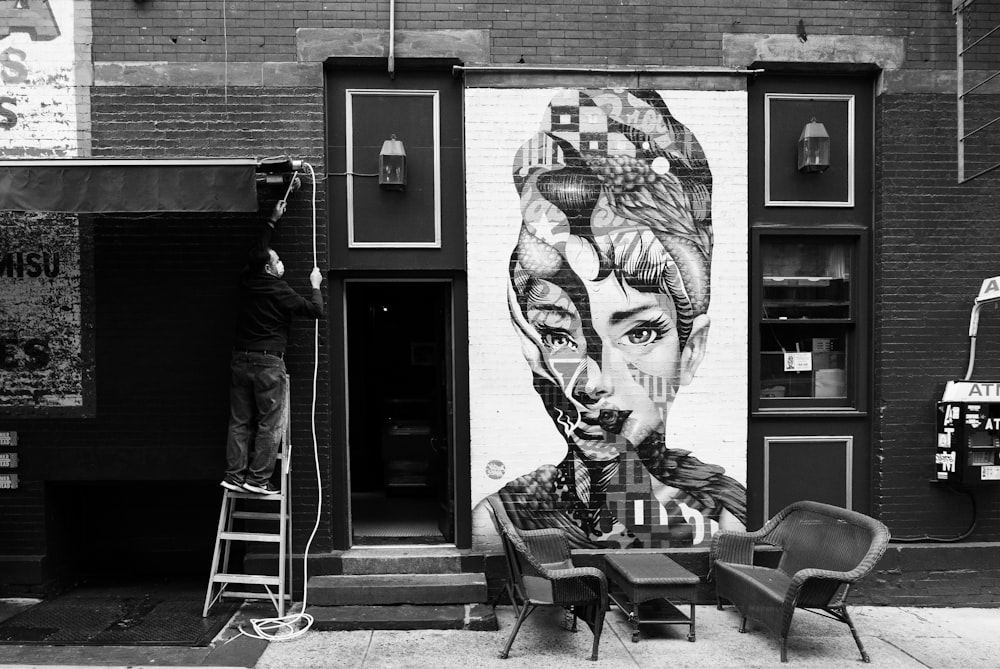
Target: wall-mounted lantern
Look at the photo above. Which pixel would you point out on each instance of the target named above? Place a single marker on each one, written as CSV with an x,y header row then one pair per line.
x,y
392,165
814,148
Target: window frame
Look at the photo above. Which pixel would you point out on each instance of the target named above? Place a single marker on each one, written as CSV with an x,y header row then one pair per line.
x,y
856,344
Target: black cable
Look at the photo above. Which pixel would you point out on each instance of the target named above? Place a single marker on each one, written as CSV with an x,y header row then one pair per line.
x,y
960,537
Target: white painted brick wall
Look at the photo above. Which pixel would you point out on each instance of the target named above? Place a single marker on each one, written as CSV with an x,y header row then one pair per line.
x,y
507,421
48,83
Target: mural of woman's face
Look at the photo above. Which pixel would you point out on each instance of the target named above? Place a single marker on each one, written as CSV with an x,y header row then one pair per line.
x,y
609,279
614,353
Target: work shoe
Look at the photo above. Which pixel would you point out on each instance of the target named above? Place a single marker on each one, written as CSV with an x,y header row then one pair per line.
x,y
232,483
261,488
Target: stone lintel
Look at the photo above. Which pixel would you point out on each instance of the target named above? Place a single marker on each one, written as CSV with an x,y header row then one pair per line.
x,y
604,79
159,73
744,50
318,44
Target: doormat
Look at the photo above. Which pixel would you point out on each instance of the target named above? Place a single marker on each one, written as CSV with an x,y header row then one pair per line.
x,y
116,621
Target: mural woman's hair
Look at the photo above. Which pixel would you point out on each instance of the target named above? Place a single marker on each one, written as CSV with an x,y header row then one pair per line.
x,y
628,172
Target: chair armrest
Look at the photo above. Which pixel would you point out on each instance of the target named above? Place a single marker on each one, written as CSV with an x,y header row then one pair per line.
x,y
803,575
548,545
562,580
816,587
732,546
576,572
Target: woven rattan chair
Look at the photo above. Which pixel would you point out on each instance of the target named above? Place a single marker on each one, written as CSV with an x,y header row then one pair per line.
x,y
824,550
540,572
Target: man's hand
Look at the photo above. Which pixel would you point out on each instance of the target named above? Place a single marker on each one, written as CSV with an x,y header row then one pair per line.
x,y
316,278
279,211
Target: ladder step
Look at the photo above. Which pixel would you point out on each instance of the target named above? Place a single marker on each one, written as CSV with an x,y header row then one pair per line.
x,y
233,594
252,495
250,536
247,579
257,515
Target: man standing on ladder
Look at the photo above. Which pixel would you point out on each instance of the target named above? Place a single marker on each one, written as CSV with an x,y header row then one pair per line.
x,y
257,387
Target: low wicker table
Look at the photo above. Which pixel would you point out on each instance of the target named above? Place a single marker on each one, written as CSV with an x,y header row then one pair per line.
x,y
642,585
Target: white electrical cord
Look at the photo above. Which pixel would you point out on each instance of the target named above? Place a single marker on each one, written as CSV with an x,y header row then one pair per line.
x,y
294,625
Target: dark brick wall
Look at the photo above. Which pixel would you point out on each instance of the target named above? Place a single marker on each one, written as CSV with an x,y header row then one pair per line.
x,y
606,32
22,531
934,247
933,575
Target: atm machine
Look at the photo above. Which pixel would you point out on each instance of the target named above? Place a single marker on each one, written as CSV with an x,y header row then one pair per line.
x,y
968,415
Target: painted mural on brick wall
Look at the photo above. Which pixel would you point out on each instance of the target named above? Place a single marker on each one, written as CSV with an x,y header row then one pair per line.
x,y
609,291
43,349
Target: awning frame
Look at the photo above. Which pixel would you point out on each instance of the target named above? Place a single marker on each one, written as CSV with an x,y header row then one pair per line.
x,y
135,185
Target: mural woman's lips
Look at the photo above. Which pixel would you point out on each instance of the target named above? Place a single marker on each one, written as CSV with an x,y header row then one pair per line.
x,y
608,420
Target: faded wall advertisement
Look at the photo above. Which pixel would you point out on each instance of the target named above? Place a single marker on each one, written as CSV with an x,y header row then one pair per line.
x,y
40,324
621,267
45,361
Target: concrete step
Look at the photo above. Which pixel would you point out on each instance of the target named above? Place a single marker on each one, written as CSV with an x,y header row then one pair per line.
x,y
430,560
476,617
388,589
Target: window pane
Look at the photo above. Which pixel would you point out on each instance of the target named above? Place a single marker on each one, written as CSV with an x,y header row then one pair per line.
x,y
806,279
803,361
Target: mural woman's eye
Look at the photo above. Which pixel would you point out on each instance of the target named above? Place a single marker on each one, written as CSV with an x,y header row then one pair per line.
x,y
646,334
557,341
641,336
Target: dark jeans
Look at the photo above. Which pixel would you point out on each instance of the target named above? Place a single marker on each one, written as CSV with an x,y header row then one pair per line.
x,y
256,409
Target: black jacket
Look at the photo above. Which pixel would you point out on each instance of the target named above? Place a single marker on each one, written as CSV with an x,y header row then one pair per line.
x,y
267,307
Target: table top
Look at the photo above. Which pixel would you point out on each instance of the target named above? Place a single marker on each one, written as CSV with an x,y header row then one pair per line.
x,y
649,569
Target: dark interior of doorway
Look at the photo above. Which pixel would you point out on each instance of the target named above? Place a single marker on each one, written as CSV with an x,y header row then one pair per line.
x,y
398,397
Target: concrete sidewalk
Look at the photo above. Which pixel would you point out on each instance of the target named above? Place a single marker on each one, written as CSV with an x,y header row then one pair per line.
x,y
893,637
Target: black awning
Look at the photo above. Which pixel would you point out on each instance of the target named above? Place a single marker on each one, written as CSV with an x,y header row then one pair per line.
x,y
123,186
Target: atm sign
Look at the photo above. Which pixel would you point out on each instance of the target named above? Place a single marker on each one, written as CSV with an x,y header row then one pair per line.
x,y
990,290
991,473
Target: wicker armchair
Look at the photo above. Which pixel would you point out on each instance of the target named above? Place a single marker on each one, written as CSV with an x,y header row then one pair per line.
x,y
824,550
540,572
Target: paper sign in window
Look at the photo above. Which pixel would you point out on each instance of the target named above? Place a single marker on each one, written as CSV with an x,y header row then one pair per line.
x,y
798,362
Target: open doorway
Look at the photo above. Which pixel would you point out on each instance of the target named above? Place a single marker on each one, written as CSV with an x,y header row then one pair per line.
x,y
399,388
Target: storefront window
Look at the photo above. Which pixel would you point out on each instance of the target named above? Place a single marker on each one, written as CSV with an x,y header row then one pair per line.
x,y
806,279
806,319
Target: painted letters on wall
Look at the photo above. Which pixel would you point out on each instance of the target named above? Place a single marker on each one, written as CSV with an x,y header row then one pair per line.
x,y
615,255
44,360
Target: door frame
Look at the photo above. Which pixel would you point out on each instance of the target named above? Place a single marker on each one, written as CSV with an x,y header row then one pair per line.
x,y
339,504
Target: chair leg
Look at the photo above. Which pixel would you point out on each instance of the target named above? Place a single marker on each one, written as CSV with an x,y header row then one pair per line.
x,y
598,628
842,613
784,650
526,608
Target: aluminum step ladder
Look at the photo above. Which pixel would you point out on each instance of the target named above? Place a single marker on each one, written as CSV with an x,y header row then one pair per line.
x,y
277,519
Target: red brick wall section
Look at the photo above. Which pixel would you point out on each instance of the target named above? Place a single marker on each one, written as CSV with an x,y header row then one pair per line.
x,y
935,246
